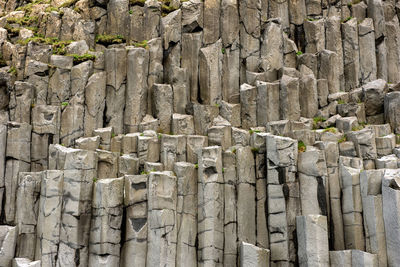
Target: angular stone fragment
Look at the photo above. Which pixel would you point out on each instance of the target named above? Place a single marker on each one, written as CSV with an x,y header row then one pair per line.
x,y
204,116
194,143
88,143
220,136
192,15
24,262
364,142
182,124
252,256
107,164
373,97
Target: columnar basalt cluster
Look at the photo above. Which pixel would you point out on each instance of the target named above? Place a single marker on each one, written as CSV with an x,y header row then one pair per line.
x,y
199,133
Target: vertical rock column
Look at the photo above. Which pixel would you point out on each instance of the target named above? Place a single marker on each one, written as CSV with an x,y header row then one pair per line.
x,y
391,214
333,40
366,40
252,256
331,150
246,195
186,222
136,88
95,94
392,108
210,220
134,249
267,102
249,33
80,169
162,230
173,149
283,197
105,230
45,131
163,99
352,208
191,44
258,146
248,105
49,218
289,98
230,50
72,116
115,67
351,54
371,195
271,52
230,208
18,160
312,235
313,182
210,73
8,235
3,148
28,195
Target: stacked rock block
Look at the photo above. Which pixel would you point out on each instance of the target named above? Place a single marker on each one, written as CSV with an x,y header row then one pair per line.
x,y
199,133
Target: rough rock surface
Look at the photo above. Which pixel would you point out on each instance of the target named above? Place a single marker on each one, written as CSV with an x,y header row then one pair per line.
x,y
199,133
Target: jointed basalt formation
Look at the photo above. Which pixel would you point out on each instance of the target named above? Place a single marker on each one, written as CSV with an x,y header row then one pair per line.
x,y
199,133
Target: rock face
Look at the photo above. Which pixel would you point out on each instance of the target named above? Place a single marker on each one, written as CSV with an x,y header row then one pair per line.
x,y
199,133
